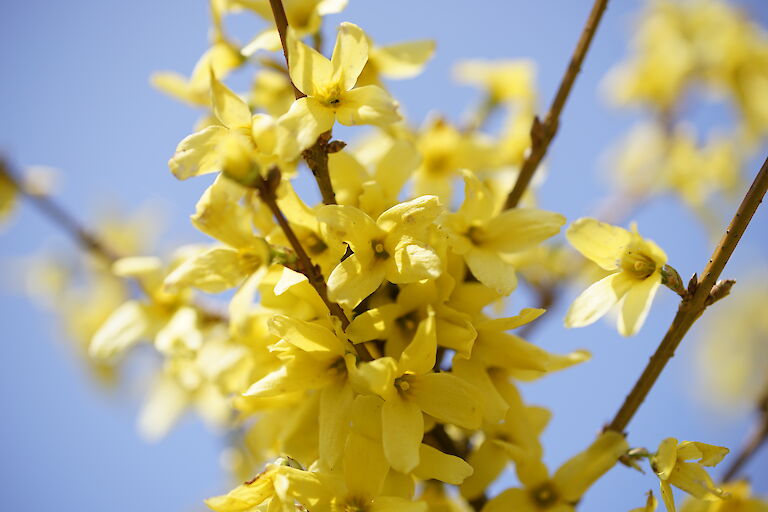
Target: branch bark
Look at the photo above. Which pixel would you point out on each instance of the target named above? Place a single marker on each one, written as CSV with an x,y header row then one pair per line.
x,y
542,132
267,189
702,293
316,156
84,238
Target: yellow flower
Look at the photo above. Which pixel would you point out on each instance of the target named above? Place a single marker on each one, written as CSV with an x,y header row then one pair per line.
x,y
262,488
396,322
671,466
415,389
330,91
561,492
486,239
636,264
220,268
239,146
392,247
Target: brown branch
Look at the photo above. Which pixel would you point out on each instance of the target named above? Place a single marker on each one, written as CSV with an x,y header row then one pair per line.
x,y
281,22
85,239
316,156
267,189
701,293
542,132
757,439
59,216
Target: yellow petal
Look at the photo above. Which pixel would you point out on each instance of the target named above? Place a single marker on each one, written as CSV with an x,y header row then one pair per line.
x,y
403,60
374,324
419,356
574,477
664,461
472,371
478,200
351,225
667,496
411,216
598,241
228,107
335,405
520,228
412,261
595,301
196,154
307,336
395,504
511,499
350,282
488,267
127,325
349,55
309,69
300,127
214,271
402,431
709,454
369,104
637,303
365,465
448,398
693,479
166,403
488,461
436,465
218,214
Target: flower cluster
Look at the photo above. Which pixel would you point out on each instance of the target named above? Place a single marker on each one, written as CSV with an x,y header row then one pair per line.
x,y
359,350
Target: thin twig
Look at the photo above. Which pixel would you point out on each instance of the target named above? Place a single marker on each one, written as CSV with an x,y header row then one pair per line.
x,y
281,22
267,189
316,155
757,438
61,217
542,132
86,239
702,293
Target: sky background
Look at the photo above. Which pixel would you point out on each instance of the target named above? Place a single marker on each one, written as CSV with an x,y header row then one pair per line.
x,y
74,95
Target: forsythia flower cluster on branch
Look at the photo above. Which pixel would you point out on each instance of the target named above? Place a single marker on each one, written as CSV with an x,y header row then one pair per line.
x,y
363,358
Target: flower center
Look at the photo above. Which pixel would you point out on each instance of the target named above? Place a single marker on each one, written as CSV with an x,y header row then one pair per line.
x,y
315,244
354,503
637,264
544,495
379,251
408,322
475,233
402,385
330,95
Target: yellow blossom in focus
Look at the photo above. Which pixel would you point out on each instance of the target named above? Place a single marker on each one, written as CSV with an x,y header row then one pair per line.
x,y
486,238
671,464
636,264
240,146
331,93
393,247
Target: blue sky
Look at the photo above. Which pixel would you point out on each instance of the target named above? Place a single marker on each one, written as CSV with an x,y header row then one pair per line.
x,y
75,95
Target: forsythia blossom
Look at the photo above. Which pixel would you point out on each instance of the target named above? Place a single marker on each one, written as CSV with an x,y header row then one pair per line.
x,y
636,266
